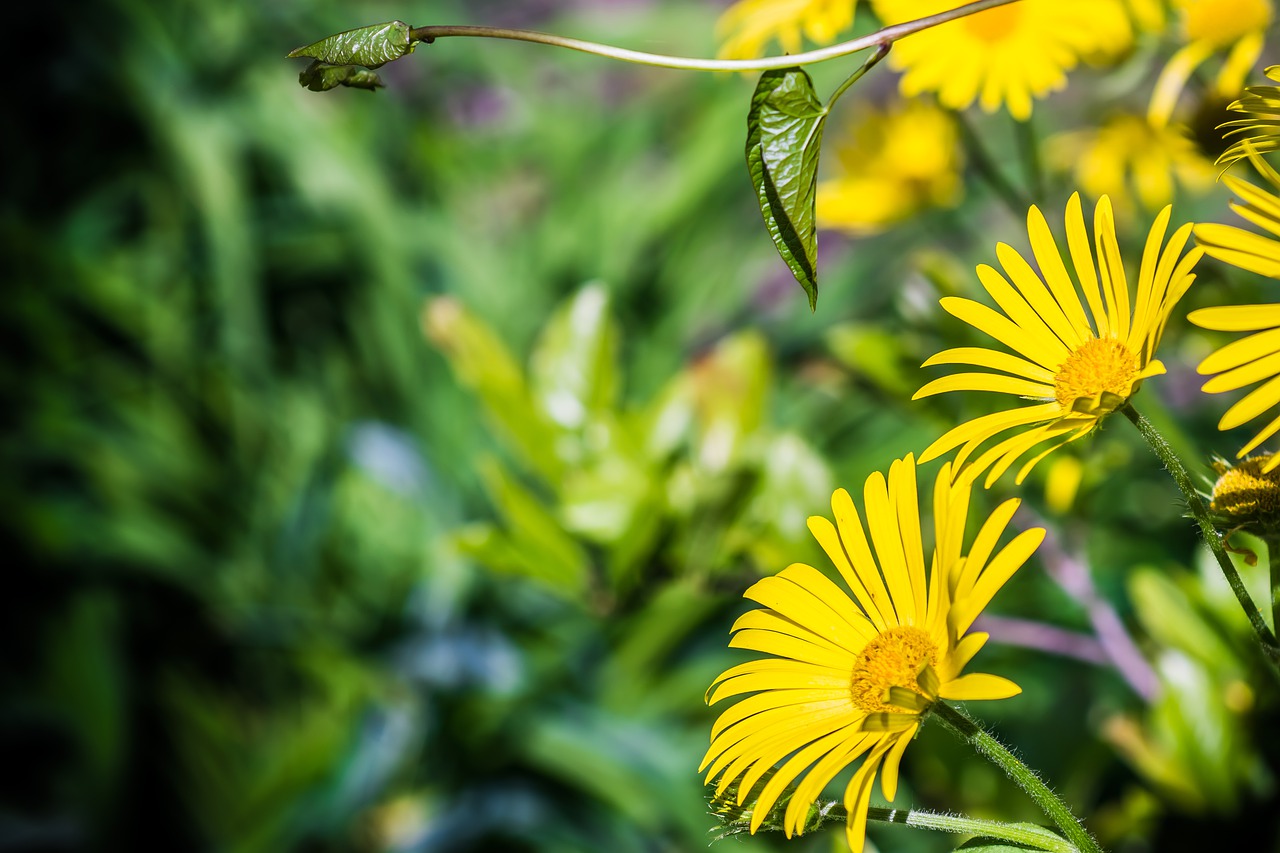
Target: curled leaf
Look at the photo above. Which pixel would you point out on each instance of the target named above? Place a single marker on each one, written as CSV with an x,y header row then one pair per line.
x,y
371,46
319,77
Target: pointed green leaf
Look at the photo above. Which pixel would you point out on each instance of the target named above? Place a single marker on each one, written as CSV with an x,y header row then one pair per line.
x,y
993,845
371,46
319,77
784,137
1038,837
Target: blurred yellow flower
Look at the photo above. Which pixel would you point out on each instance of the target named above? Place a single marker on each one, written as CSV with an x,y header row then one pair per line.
x,y
1259,131
849,677
1004,56
1082,370
1128,158
748,26
1235,27
1256,357
1148,15
892,163
1062,484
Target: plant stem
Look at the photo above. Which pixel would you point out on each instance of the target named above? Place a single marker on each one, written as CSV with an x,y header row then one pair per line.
x,y
885,36
1030,145
1044,797
981,160
1273,560
881,52
1196,504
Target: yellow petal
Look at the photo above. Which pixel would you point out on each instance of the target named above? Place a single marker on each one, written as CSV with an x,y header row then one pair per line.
x,y
1254,371
993,359
986,382
1049,259
979,685
1252,404
1236,318
889,775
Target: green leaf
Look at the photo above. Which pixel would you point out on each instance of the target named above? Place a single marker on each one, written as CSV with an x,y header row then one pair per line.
x,y
319,77
784,137
371,46
992,845
573,371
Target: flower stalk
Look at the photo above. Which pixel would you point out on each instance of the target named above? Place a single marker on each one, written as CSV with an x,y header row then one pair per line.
x,y
1049,802
881,38
1200,511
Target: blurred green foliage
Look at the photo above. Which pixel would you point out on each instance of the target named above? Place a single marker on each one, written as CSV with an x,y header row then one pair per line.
x,y
383,473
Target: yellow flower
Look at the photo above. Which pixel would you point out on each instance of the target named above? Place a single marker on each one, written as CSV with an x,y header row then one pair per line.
x,y
1128,157
1247,496
1081,370
1257,356
851,677
1259,131
893,163
1236,27
748,26
1148,15
1003,56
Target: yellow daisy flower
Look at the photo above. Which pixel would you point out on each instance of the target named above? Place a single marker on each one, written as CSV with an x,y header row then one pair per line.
x,y
1132,161
893,163
852,677
748,26
1081,370
1257,356
1004,56
1260,131
1235,27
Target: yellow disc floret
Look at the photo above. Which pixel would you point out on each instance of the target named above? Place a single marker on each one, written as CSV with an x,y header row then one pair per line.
x,y
1098,365
893,659
1245,494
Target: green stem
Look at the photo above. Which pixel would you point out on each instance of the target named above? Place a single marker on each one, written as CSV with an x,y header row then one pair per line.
x,y
882,37
1201,512
881,52
987,169
1029,143
1273,560
1044,797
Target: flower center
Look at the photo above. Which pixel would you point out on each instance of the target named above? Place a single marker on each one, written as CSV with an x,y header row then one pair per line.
x,y
994,24
1098,365
893,659
1245,494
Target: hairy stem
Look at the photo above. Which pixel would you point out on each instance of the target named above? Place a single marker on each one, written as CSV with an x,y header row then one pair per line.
x,y
885,36
1198,509
998,754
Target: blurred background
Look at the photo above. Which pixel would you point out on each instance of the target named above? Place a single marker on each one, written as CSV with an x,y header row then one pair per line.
x,y
383,471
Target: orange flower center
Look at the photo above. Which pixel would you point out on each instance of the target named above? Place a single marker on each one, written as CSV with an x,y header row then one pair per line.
x,y
993,25
1098,365
893,659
